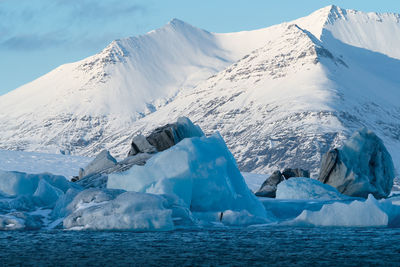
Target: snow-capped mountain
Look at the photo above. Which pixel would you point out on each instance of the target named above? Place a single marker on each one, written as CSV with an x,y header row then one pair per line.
x,y
280,96
80,106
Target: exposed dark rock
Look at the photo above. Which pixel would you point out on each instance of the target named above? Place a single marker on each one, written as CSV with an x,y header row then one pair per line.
x,y
268,188
164,137
289,172
361,167
328,163
74,179
141,145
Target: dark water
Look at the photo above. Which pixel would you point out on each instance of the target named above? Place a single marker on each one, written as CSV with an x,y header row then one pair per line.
x,y
271,246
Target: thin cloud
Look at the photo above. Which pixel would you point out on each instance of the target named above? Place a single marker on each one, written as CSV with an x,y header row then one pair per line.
x,y
33,25
32,42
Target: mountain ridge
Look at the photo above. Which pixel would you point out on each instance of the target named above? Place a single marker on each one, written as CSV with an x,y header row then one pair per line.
x,y
291,85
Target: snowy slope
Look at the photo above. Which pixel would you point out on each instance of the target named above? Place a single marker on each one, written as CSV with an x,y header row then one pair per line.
x,y
34,162
280,96
80,106
285,104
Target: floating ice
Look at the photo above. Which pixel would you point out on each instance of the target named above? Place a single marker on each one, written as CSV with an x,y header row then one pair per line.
x,y
199,171
23,194
127,211
306,188
47,194
20,183
19,221
361,167
357,213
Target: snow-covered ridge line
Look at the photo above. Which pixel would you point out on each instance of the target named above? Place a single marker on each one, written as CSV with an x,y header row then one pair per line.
x,y
280,95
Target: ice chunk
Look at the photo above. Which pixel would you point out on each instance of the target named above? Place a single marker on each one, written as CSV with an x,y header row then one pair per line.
x,y
19,221
241,218
17,183
103,161
128,211
200,171
362,166
9,222
60,207
357,213
47,194
391,207
24,192
186,128
306,188
92,196
20,203
20,183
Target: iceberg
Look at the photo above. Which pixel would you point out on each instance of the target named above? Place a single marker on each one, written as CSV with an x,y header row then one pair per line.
x,y
22,195
361,167
200,172
19,221
307,188
19,183
127,211
357,213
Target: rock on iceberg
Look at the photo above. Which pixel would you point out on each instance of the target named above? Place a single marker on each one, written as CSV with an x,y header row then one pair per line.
x,y
165,137
307,188
362,166
200,172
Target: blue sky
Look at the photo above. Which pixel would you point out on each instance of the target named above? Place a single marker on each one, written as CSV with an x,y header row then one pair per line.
x,y
38,35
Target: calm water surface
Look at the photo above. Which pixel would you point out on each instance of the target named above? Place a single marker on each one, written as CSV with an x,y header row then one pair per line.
x,y
272,246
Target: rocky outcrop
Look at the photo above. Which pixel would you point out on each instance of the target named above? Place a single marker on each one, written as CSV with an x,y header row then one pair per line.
x,y
268,188
361,167
164,137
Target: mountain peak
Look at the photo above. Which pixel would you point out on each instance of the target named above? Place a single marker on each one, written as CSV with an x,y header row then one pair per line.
x,y
316,21
178,24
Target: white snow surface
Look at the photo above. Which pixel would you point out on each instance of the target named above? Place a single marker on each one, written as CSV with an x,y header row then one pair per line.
x,y
279,96
35,162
